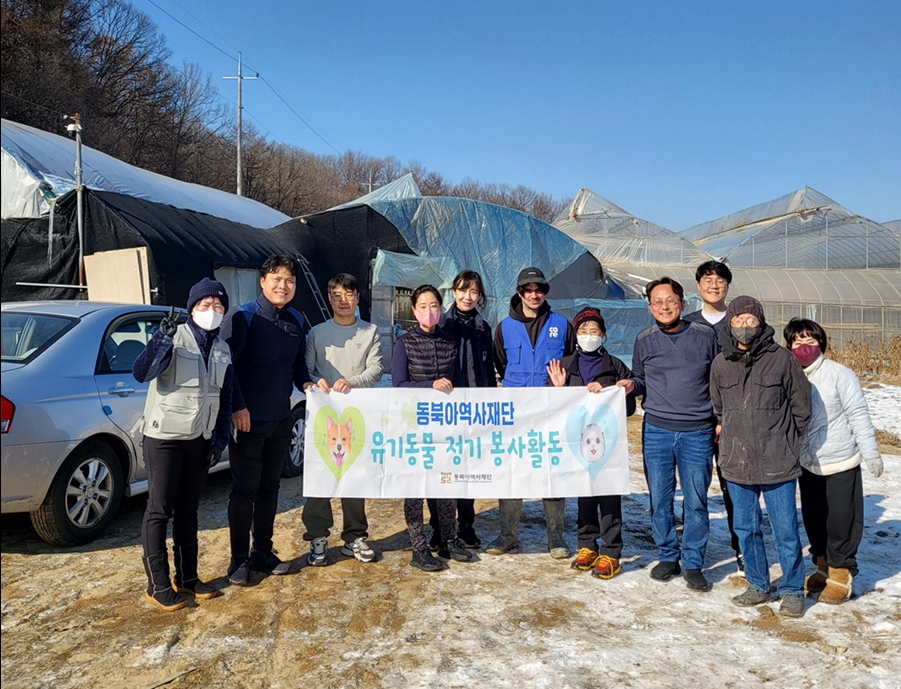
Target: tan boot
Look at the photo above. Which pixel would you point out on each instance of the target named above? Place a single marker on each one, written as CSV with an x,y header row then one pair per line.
x,y
816,582
838,586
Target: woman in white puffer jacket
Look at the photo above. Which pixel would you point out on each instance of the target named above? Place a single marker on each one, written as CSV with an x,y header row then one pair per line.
x,y
840,435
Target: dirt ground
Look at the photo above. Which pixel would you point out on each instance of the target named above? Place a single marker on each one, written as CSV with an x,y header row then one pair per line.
x,y
76,617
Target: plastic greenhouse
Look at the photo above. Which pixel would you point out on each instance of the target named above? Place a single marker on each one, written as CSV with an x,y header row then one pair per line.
x,y
849,302
804,230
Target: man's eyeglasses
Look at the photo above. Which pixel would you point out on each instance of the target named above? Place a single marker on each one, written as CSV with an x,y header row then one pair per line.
x,y
672,303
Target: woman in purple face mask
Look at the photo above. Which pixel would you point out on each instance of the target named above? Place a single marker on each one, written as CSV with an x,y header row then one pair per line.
x,y
426,357
839,437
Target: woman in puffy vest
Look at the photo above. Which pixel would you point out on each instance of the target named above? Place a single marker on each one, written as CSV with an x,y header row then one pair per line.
x,y
426,357
840,435
186,425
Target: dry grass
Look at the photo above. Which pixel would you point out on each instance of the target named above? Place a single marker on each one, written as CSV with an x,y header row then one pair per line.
x,y
889,443
874,361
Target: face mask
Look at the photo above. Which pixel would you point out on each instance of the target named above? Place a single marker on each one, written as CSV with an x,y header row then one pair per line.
x,y
428,319
590,343
208,320
746,336
806,354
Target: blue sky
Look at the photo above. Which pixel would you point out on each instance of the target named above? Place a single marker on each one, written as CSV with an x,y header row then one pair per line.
x,y
679,112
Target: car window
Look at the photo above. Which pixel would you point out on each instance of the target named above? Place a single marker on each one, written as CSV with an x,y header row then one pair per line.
x,y
125,341
26,335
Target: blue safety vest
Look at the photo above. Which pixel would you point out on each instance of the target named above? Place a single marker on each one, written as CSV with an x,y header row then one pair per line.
x,y
527,367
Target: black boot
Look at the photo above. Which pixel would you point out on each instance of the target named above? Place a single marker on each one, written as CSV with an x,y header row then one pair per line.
x,y
159,586
186,579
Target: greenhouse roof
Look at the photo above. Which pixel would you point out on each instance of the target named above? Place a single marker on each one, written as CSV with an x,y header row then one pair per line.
x,y
802,230
613,234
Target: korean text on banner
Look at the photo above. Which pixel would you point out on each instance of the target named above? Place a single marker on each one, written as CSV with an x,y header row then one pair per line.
x,y
470,443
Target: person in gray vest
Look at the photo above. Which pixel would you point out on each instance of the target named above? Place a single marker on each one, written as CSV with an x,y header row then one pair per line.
x,y
186,425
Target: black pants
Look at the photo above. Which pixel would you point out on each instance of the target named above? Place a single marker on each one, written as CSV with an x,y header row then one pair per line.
x,y
466,512
176,474
413,516
317,517
256,461
609,527
832,510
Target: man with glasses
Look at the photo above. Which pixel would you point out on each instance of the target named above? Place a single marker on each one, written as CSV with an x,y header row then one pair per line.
x,y
713,279
524,344
671,369
342,354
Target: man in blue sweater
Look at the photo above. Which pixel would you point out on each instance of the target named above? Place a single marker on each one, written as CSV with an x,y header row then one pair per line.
x,y
671,369
268,345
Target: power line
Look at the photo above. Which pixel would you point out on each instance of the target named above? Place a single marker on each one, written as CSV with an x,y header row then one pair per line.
x,y
262,78
31,102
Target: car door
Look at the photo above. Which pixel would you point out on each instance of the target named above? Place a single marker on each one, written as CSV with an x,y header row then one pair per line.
x,y
121,395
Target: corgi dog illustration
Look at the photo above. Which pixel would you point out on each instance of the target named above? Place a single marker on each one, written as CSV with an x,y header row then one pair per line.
x,y
593,444
339,438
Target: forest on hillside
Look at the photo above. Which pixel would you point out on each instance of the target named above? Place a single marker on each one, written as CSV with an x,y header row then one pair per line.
x,y
108,62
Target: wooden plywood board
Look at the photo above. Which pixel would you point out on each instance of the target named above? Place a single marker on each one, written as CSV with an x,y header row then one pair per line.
x,y
122,276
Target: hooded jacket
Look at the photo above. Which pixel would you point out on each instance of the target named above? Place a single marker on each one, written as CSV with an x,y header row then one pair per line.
x,y
523,345
761,398
840,431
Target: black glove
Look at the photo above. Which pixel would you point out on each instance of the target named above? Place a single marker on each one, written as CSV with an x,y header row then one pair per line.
x,y
169,324
213,457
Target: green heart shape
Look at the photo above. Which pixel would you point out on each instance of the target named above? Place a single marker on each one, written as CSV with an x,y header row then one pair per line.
x,y
331,432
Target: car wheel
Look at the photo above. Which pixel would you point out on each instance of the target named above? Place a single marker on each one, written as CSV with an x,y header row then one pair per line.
x,y
83,498
294,460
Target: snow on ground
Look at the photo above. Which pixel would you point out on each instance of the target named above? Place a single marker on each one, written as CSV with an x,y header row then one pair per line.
x,y
75,618
885,407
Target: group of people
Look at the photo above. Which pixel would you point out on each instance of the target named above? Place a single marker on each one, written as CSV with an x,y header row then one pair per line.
x,y
715,388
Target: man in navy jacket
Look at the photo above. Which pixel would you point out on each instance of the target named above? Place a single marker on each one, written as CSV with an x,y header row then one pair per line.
x,y
268,345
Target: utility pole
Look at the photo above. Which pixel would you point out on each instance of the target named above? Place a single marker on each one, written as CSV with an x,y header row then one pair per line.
x,y
240,79
75,128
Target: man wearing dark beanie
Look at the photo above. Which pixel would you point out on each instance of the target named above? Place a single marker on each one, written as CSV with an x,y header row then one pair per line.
x,y
762,401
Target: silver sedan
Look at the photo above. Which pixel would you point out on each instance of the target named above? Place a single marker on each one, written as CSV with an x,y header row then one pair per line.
x,y
70,410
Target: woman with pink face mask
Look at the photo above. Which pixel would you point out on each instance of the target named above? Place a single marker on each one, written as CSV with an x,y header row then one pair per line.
x,y
426,357
839,437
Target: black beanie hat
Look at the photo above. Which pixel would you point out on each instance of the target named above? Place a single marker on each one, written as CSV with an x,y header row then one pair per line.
x,y
589,314
207,288
745,304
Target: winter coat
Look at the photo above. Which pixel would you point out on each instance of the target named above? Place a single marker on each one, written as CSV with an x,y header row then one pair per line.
x,y
421,358
761,398
533,342
840,432
474,347
612,370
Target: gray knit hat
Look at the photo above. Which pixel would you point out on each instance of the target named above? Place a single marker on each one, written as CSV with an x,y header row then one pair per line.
x,y
745,304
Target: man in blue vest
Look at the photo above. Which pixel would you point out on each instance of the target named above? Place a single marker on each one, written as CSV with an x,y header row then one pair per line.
x,y
524,344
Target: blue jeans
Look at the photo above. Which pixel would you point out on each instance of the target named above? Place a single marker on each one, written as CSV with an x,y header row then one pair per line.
x,y
783,516
690,452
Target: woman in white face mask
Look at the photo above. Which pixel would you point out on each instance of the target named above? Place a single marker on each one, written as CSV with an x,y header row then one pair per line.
x,y
186,425
600,539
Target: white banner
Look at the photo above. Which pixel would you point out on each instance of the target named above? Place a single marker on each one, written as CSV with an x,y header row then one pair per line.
x,y
471,443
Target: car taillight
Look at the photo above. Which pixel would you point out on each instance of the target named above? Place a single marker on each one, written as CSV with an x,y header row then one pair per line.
x,y
7,411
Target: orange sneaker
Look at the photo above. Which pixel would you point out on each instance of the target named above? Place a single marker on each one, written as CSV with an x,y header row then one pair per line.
x,y
584,559
606,567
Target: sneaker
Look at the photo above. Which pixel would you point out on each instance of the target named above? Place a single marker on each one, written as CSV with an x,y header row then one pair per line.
x,y
424,560
584,559
359,549
239,573
468,535
455,550
664,571
499,546
740,562
606,567
318,552
792,605
751,596
267,562
696,580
